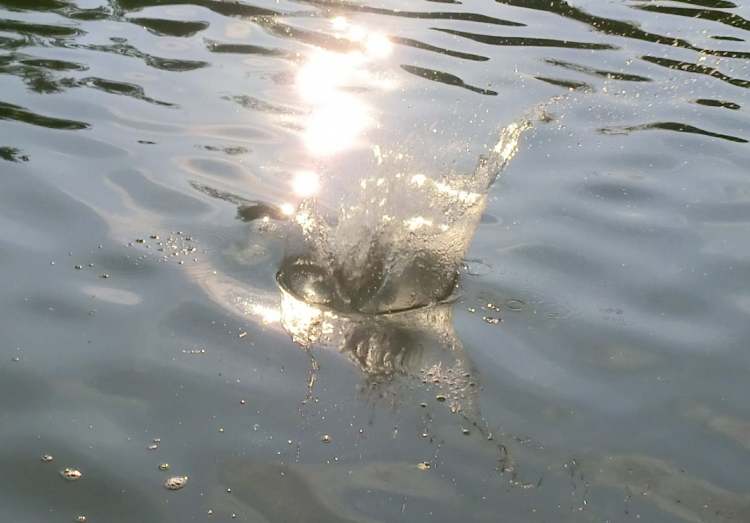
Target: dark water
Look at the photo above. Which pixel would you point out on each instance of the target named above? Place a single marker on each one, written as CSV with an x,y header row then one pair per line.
x,y
603,308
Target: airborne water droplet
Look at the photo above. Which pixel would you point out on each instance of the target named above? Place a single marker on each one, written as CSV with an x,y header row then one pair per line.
x,y
71,474
176,482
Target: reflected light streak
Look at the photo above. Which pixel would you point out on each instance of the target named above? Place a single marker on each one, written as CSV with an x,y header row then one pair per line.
x,y
338,118
337,126
306,184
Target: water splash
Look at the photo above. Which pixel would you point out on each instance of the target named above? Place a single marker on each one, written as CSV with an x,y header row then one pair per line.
x,y
396,241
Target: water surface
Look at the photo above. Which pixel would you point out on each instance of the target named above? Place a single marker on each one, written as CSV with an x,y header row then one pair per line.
x,y
598,339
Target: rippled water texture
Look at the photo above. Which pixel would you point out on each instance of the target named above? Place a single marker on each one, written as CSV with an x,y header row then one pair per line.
x,y
160,160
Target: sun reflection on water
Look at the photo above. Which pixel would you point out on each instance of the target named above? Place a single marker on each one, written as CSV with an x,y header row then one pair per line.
x,y
339,117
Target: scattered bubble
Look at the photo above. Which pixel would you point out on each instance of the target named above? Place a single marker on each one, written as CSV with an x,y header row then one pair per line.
x,y
465,431
440,397
425,465
71,474
105,276
242,402
153,446
221,429
492,320
16,359
243,334
326,438
81,519
163,466
79,267
176,482
47,458
229,490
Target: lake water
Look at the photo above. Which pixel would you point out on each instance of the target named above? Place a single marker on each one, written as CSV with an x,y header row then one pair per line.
x,y
158,159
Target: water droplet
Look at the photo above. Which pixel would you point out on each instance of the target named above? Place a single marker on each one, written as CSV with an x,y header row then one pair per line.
x,y
465,431
243,334
440,397
153,446
326,438
425,465
221,429
16,359
242,402
47,458
163,466
176,482
71,474
229,490
210,512
105,276
79,267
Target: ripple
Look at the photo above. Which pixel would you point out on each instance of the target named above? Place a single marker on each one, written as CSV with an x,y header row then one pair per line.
x,y
13,154
435,49
721,17
218,47
445,78
697,69
122,48
592,71
164,27
670,126
217,6
526,41
718,103
122,89
568,84
21,114
44,30
613,27
343,6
